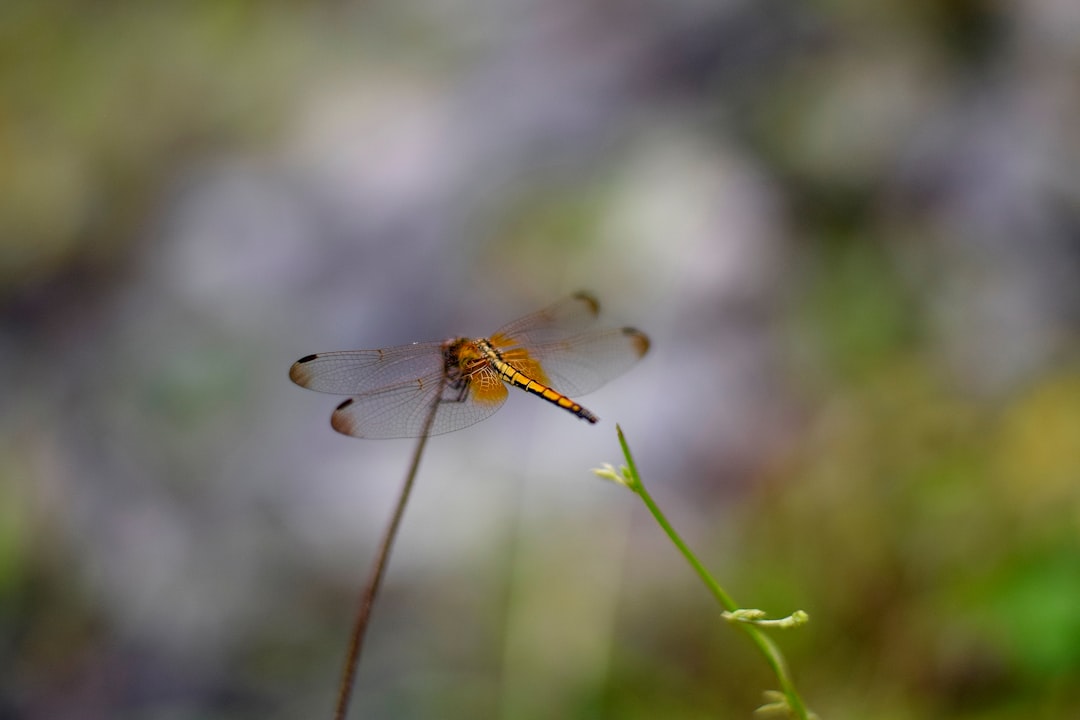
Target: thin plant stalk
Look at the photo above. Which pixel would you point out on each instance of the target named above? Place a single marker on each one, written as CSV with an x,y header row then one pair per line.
x,y
768,648
382,558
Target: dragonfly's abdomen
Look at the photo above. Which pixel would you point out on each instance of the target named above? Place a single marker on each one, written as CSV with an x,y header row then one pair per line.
x,y
515,377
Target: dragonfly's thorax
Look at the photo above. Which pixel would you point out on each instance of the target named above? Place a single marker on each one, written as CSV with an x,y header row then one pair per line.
x,y
469,372
463,356
488,351
458,355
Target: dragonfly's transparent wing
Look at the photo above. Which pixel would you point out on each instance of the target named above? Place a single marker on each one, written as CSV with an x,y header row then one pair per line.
x,y
393,391
402,411
565,318
585,362
559,346
353,372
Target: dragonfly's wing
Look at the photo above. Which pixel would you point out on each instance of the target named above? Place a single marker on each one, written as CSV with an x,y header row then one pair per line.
x,y
402,411
353,372
565,318
559,346
585,362
393,390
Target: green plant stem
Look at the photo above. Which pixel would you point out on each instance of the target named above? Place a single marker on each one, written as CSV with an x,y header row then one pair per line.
x,y
772,653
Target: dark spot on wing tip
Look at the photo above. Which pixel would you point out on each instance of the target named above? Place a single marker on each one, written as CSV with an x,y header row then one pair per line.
x,y
639,339
298,374
342,423
590,300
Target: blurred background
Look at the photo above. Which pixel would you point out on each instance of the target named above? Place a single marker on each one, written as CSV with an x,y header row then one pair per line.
x,y
852,231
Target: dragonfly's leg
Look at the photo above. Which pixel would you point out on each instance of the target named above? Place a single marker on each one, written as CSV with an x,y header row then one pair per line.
x,y
456,379
458,390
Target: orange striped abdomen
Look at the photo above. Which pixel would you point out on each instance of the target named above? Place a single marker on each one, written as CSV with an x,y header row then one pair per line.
x,y
517,378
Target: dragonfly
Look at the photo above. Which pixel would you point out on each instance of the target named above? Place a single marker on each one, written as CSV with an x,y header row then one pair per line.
x,y
432,388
